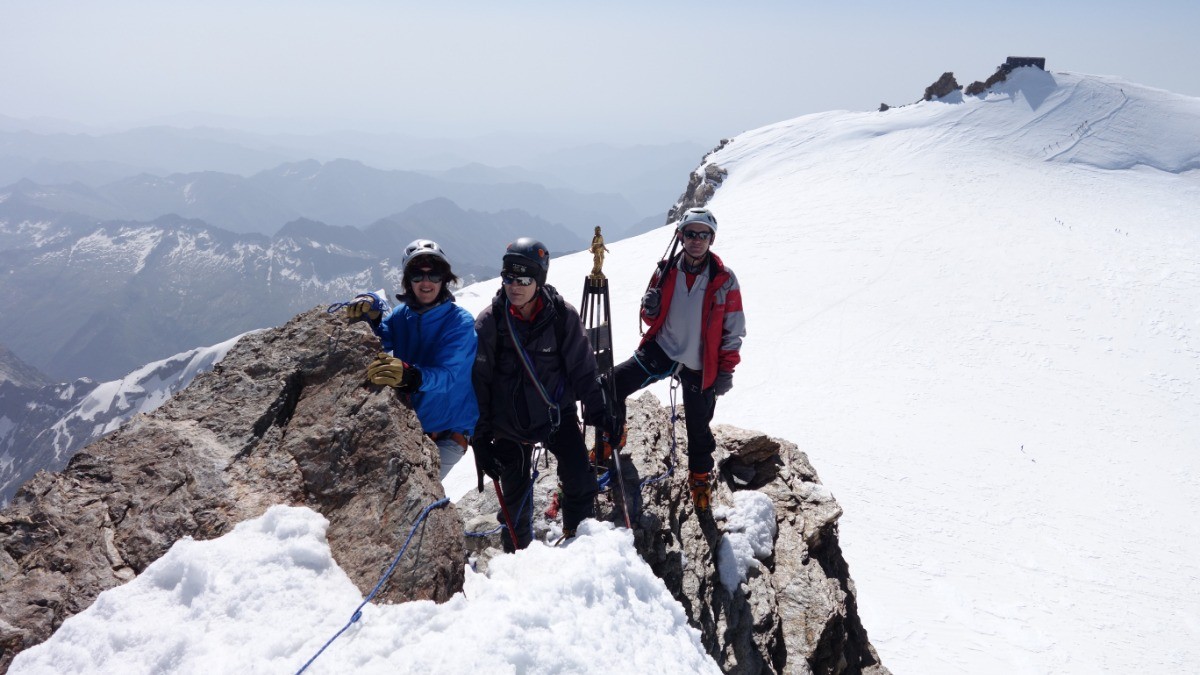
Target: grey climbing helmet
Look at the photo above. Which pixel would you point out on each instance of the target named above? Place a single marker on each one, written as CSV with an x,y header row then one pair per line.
x,y
697,215
422,247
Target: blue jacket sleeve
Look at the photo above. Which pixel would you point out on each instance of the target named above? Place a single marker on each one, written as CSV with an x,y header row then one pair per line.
x,y
450,369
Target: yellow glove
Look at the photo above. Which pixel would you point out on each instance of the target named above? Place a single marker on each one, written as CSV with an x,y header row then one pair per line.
x,y
387,371
360,307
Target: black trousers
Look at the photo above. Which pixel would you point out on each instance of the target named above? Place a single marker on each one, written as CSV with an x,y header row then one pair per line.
x,y
574,473
650,364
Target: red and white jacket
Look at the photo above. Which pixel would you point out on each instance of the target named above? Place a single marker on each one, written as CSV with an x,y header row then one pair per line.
x,y
722,320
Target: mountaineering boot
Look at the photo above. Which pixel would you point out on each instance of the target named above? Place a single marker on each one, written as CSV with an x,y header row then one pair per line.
x,y
568,533
599,454
603,449
701,489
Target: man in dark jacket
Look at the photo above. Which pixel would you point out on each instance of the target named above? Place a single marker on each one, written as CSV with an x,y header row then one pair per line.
x,y
693,308
532,365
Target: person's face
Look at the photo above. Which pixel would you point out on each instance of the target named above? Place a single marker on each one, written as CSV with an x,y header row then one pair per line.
x,y
517,294
424,287
694,241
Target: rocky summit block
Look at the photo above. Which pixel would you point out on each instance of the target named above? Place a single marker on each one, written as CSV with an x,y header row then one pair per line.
x,y
796,611
286,418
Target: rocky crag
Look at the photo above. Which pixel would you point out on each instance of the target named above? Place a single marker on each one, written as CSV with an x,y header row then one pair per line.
x,y
702,185
797,613
286,417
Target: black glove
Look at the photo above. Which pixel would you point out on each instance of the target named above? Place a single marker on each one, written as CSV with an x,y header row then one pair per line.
x,y
724,383
652,302
486,461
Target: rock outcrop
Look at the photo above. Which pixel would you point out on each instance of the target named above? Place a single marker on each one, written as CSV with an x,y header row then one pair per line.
x,y
286,417
702,185
943,86
797,613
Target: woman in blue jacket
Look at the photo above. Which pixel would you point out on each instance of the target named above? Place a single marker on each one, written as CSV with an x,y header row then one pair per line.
x,y
431,341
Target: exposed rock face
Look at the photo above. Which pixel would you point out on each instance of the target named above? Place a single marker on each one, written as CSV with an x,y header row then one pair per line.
x,y
944,86
977,88
702,184
286,417
798,614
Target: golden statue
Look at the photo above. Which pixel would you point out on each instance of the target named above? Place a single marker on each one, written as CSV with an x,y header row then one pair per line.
x,y
598,250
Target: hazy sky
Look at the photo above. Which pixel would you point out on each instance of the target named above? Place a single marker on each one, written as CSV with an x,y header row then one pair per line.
x,y
638,71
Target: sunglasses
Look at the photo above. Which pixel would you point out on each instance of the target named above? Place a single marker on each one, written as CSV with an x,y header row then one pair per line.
x,y
702,235
433,277
509,279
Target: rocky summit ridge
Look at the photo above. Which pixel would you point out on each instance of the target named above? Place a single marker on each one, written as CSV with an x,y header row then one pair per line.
x,y
286,417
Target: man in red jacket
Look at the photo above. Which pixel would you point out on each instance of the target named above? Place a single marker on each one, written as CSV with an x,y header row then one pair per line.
x,y
694,311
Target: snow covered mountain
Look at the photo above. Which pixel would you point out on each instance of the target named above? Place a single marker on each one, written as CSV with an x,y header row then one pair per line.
x,y
978,316
41,427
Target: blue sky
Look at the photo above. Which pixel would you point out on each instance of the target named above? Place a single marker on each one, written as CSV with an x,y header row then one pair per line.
x,y
639,72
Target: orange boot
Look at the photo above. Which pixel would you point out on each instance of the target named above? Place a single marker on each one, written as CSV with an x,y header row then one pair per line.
x,y
701,490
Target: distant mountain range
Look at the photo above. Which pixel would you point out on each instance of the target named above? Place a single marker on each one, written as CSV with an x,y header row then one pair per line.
x,y
617,185
340,192
122,248
98,299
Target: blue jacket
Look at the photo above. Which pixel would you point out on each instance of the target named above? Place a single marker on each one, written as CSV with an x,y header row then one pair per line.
x,y
439,341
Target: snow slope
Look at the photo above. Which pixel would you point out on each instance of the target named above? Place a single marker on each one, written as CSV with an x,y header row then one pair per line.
x,y
266,598
980,319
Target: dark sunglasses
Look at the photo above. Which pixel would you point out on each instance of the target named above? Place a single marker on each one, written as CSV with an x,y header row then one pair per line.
x,y
433,277
704,235
509,279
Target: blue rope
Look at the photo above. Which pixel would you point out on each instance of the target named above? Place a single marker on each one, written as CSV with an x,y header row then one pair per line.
x,y
526,503
358,611
482,533
335,307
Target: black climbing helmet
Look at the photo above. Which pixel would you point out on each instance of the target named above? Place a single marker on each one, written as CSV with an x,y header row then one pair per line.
x,y
527,257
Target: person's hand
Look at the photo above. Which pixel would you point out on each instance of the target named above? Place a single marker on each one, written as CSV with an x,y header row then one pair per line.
x,y
365,306
485,456
723,384
652,302
389,371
